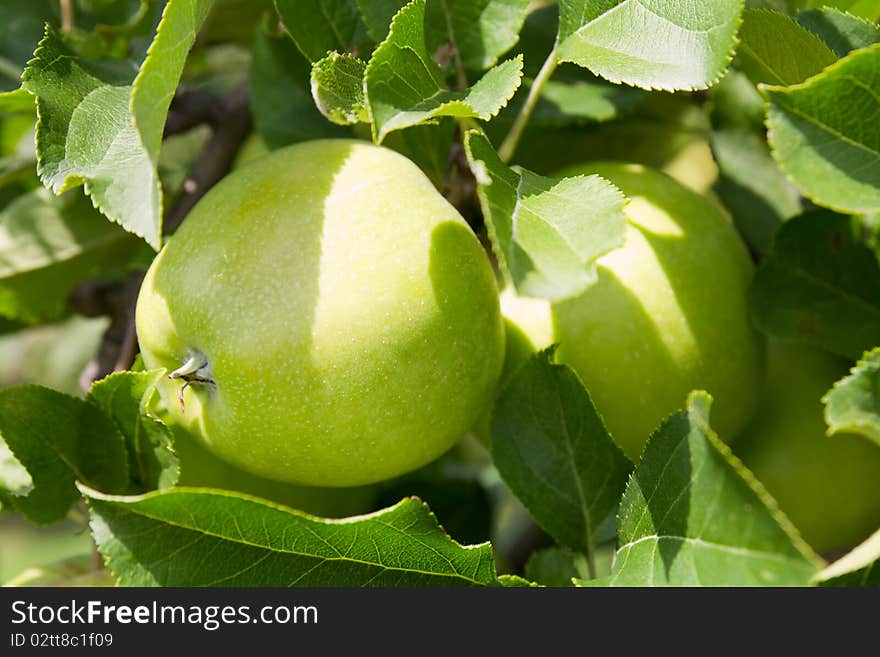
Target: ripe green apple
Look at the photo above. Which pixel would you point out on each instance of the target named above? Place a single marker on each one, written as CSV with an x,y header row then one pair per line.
x,y
666,315
199,467
826,485
327,317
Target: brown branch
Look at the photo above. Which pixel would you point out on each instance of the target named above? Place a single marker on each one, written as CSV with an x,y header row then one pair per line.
x,y
230,117
216,158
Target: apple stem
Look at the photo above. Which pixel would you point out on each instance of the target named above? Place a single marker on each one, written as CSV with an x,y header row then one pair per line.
x,y
195,370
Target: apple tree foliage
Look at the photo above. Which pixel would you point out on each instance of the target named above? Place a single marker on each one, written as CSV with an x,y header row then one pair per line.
x,y
110,112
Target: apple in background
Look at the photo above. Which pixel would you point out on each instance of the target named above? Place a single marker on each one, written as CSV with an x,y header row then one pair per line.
x,y
327,316
826,485
667,314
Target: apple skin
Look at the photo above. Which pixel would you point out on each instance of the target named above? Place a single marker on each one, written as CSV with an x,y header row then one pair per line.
x,y
826,485
198,467
666,315
348,315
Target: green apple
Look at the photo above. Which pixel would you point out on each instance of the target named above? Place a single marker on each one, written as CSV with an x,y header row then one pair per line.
x,y
666,315
199,467
327,317
826,485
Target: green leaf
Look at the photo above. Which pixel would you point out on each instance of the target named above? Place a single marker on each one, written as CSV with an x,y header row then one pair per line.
x,y
853,404
47,246
200,537
861,567
571,100
842,32
338,89
547,233
58,439
406,87
866,9
21,26
123,397
692,515
101,122
377,15
482,30
830,150
752,187
556,567
515,581
319,26
775,49
281,102
429,146
653,44
819,285
553,451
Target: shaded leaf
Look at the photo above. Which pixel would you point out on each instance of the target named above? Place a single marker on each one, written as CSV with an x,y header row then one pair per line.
x,y
123,397
775,49
556,567
692,515
752,187
819,285
49,245
59,440
853,405
825,135
338,89
319,26
842,32
653,44
482,30
547,233
861,567
223,539
281,101
553,451
377,15
406,87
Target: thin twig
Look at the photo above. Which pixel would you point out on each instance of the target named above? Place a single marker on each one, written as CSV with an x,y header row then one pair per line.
x,y
66,15
508,147
460,75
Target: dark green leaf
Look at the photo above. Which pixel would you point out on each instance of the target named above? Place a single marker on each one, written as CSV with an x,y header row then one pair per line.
x,y
21,27
775,49
319,26
556,567
377,15
482,30
406,87
819,285
59,440
123,397
830,150
282,105
853,405
692,515
547,233
553,451
338,89
654,44
861,567
752,187
199,537
842,32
